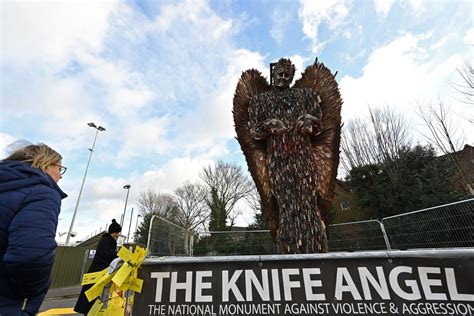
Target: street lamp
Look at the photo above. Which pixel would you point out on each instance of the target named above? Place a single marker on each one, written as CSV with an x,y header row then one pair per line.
x,y
97,128
126,187
130,225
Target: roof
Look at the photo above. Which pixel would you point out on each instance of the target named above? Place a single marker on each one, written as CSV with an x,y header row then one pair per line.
x,y
92,241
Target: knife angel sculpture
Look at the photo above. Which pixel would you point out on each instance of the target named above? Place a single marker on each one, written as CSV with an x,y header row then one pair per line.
x,y
290,138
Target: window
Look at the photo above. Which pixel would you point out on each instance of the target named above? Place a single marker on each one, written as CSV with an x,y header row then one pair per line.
x,y
345,205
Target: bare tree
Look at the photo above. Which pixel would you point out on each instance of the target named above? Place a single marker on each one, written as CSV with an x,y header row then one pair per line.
x,y
192,209
444,135
226,185
373,140
466,87
253,199
357,145
156,203
164,205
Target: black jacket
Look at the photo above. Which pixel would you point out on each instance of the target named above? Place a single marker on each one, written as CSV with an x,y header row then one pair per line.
x,y
105,253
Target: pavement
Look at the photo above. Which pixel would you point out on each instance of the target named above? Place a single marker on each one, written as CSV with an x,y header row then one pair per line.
x,y
62,292
60,301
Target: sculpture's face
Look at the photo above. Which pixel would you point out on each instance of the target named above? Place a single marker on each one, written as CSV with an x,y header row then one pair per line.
x,y
282,78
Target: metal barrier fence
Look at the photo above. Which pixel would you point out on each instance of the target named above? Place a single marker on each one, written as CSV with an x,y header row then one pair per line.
x,y
445,226
245,242
168,239
363,235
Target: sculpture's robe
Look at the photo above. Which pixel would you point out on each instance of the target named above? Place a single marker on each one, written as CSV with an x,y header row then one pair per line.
x,y
291,166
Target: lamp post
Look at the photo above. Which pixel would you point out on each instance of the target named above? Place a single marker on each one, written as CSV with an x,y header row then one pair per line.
x,y
97,128
130,225
122,219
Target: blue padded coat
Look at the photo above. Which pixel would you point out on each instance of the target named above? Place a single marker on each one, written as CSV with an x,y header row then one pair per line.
x,y
30,202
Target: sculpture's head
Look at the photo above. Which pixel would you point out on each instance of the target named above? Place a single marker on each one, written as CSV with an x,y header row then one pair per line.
x,y
283,73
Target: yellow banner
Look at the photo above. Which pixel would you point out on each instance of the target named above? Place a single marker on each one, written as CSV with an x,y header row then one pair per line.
x,y
123,279
93,277
138,255
97,288
95,308
125,254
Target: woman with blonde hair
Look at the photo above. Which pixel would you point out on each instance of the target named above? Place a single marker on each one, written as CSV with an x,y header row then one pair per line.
x,y
30,202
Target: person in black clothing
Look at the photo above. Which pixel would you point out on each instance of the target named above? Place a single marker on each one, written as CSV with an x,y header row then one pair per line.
x,y
105,253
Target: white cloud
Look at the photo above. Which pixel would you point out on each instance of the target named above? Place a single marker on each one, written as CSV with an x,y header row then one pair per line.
x,y
65,73
469,38
314,13
197,13
5,141
401,74
174,173
124,90
104,198
147,136
383,6
416,5
140,101
52,32
443,41
212,122
299,62
281,17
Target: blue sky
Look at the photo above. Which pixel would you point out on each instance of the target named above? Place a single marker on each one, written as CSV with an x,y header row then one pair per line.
x,y
160,77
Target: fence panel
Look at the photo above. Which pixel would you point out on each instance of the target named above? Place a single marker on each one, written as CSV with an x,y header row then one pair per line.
x,y
68,266
445,226
228,243
355,236
167,239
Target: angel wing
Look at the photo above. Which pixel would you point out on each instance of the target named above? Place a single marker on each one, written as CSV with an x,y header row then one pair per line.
x,y
250,84
326,145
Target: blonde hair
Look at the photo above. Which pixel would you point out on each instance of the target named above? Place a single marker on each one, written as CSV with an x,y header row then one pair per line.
x,y
40,156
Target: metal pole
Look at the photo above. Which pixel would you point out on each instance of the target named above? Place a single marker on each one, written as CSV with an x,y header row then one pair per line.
x,y
122,219
136,227
191,245
385,237
80,191
149,233
130,225
86,253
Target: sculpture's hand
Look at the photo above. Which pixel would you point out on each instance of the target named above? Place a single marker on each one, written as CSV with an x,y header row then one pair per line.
x,y
274,126
308,124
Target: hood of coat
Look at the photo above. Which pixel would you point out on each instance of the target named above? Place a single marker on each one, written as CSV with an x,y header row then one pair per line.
x,y
16,175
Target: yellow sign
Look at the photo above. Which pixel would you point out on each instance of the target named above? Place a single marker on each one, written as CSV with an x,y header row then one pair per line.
x,y
123,279
91,278
97,288
122,274
125,254
95,308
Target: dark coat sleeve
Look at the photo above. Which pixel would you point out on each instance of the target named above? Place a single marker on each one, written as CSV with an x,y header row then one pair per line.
x,y
105,253
29,256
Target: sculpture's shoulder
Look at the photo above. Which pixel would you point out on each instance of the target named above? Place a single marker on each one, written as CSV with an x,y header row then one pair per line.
x,y
305,91
292,92
262,97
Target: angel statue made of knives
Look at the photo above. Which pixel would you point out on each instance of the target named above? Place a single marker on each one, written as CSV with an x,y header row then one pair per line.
x,y
290,138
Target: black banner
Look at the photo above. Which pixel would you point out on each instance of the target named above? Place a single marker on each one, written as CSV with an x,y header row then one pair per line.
x,y
408,283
